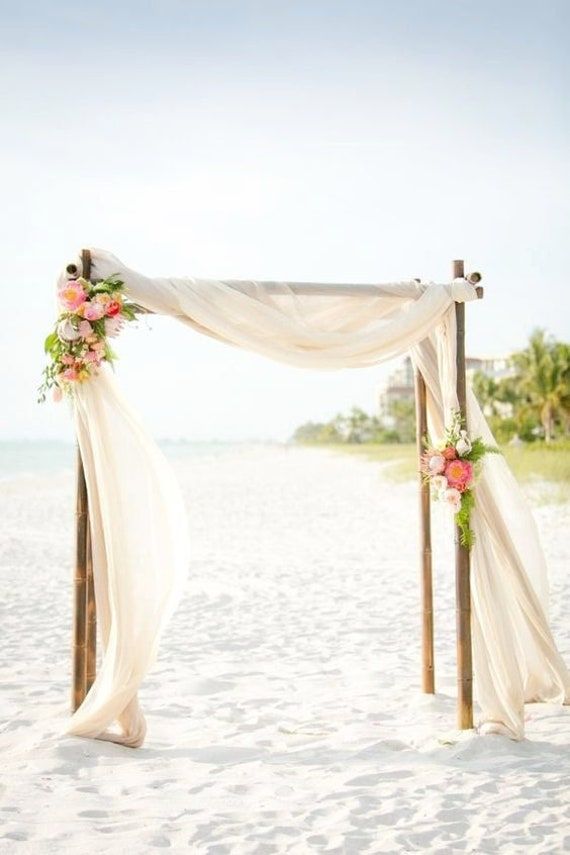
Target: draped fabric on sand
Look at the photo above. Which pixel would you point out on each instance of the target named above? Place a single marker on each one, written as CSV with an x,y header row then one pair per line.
x,y
136,510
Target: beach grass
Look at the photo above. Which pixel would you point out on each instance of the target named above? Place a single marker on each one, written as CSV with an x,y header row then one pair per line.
x,y
400,459
532,463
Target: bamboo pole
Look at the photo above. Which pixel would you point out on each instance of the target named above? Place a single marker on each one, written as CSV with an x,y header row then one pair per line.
x,y
462,558
91,618
90,610
84,611
428,661
80,591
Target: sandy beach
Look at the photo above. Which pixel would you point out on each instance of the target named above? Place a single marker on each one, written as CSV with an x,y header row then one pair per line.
x,y
284,713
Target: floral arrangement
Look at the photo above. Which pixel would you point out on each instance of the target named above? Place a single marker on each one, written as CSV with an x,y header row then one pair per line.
x,y
450,469
91,314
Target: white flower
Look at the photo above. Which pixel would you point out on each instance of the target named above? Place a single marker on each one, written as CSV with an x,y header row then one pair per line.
x,y
113,326
66,331
436,464
439,483
452,498
463,445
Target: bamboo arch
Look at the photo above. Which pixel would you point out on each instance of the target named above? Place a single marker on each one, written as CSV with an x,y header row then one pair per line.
x,y
84,634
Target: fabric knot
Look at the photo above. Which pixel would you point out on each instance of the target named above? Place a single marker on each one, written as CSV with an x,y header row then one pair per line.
x,y
462,291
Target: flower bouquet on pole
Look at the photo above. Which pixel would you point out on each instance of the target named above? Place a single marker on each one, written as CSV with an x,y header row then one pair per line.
x,y
91,313
451,469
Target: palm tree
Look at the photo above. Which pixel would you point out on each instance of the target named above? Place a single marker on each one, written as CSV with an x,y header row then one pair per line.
x,y
543,380
357,426
486,391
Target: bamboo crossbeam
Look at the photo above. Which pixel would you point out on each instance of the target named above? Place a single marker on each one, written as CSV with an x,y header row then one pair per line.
x,y
462,557
315,289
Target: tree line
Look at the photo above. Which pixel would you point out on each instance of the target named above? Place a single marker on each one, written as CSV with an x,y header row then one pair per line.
x,y
531,402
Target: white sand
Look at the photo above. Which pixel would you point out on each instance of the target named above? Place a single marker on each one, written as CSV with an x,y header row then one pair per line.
x,y
284,713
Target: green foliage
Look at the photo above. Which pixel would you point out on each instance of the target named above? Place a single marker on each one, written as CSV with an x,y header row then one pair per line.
x,y
317,432
110,285
353,428
358,427
129,312
51,343
403,417
533,402
463,517
479,449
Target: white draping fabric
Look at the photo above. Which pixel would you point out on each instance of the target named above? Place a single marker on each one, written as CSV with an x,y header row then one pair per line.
x,y
136,510
140,551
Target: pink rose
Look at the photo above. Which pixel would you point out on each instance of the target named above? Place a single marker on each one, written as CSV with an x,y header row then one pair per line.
x,y
459,474
85,329
113,308
452,498
70,374
449,453
93,311
72,295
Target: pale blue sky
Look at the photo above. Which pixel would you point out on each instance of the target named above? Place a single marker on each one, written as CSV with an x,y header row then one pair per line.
x,y
348,141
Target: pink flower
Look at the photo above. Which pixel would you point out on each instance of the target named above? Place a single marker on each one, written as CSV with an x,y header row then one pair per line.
x,y
113,308
93,311
449,453
93,356
70,374
452,498
459,474
436,464
72,295
67,359
57,394
85,329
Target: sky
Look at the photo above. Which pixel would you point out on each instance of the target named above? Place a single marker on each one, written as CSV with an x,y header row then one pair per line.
x,y
334,141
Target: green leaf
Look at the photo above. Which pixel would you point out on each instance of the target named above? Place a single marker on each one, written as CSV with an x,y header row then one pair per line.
x,y
463,517
110,354
51,340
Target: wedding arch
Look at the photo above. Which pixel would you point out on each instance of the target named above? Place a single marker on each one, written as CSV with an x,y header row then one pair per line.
x,y
131,547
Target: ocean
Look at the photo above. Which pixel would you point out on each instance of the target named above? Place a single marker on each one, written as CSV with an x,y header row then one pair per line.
x,y
30,458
